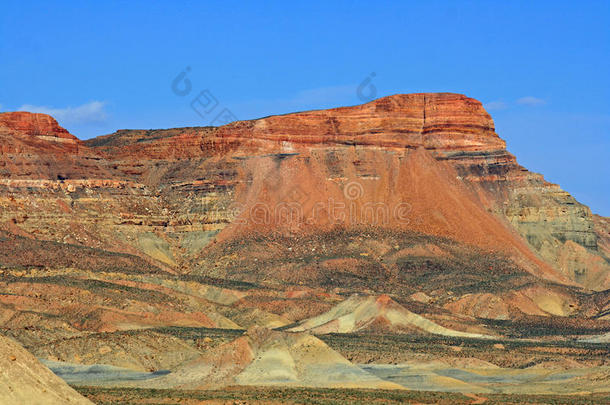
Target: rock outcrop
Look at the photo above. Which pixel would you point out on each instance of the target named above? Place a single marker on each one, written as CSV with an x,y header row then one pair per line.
x,y
34,146
296,153
428,163
24,380
263,357
375,314
144,243
33,124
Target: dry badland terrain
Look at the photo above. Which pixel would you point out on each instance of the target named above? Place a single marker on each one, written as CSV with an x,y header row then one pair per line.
x,y
393,251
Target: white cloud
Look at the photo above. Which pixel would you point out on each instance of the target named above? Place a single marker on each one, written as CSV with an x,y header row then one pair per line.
x,y
532,101
496,105
86,113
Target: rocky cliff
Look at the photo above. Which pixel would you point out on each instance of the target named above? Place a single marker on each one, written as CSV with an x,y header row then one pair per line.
x,y
151,250
356,144
425,163
34,146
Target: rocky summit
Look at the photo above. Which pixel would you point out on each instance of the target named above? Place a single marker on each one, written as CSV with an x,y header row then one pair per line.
x,y
202,257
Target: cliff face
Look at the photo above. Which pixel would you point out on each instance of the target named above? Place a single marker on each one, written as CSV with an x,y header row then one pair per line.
x,y
34,146
425,163
32,124
158,249
440,121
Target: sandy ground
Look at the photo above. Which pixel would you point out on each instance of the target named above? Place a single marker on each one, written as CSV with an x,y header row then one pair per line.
x,y
24,380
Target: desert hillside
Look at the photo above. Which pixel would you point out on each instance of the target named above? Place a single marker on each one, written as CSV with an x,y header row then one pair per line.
x,y
281,251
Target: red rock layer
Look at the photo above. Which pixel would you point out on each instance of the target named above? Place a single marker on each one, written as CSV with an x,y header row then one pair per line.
x,y
438,121
436,154
26,123
441,121
35,146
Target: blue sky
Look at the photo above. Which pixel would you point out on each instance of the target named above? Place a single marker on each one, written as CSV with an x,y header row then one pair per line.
x,y
542,68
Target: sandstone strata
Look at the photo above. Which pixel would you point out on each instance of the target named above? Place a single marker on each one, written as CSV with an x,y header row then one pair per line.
x,y
146,243
348,144
165,194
